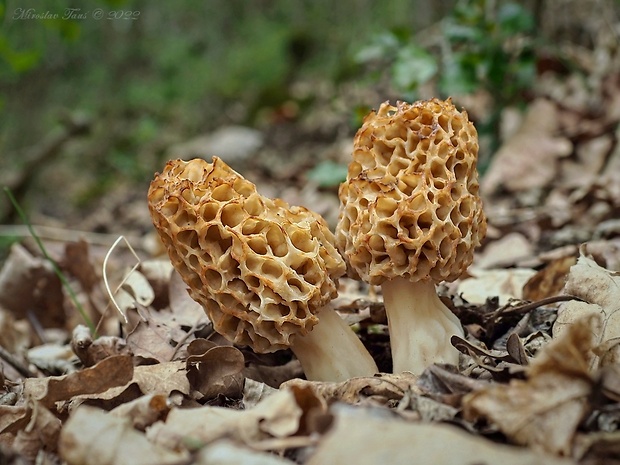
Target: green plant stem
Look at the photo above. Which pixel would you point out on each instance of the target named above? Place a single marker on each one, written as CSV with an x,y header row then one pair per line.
x,y
55,267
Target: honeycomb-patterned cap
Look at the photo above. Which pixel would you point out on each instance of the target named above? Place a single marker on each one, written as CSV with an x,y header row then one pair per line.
x,y
410,206
260,268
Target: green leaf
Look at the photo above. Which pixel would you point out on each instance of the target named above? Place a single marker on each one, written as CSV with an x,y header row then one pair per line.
x,y
413,66
19,62
456,32
514,19
458,76
328,174
380,47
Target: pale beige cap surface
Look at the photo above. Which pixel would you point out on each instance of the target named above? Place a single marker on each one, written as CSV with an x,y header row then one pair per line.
x,y
410,206
260,268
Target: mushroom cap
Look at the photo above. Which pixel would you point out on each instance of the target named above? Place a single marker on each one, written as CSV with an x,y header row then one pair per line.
x,y
260,268
410,206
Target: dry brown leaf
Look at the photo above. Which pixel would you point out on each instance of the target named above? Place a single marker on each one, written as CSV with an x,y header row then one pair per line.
x,y
135,290
276,416
216,371
273,375
597,285
543,412
610,178
52,358
528,159
77,262
598,448
382,388
186,311
226,452
549,281
162,378
28,283
92,437
254,392
41,433
154,339
505,251
600,289
371,437
143,411
158,272
91,352
13,418
591,157
15,335
113,371
504,284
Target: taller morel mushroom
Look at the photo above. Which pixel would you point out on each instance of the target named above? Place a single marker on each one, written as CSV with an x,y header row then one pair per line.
x,y
411,217
265,272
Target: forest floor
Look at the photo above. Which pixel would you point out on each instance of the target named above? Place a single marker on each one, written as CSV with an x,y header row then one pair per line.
x,y
538,379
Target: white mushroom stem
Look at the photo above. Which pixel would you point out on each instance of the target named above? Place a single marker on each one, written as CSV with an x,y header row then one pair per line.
x,y
420,325
332,351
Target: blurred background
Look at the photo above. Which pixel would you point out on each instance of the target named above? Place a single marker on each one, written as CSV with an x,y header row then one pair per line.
x,y
97,95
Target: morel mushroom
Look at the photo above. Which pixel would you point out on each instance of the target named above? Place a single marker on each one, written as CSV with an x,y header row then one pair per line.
x,y
265,272
410,217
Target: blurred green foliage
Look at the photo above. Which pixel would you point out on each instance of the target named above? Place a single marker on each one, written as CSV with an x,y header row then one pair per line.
x,y
172,69
481,45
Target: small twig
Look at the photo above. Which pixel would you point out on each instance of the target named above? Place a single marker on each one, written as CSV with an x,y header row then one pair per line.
x,y
524,308
36,325
11,360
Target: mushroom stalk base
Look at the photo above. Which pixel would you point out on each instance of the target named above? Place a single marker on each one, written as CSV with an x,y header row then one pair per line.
x,y
420,326
331,351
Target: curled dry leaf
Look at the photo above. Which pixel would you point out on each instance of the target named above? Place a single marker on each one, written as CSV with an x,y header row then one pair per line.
x,y
93,437
135,289
543,412
276,416
216,371
143,411
162,378
111,372
600,288
370,437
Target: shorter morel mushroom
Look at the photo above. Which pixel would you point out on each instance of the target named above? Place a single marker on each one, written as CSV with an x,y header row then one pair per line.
x,y
265,272
410,217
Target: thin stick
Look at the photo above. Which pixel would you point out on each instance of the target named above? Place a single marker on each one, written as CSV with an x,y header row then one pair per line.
x,y
11,360
105,273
